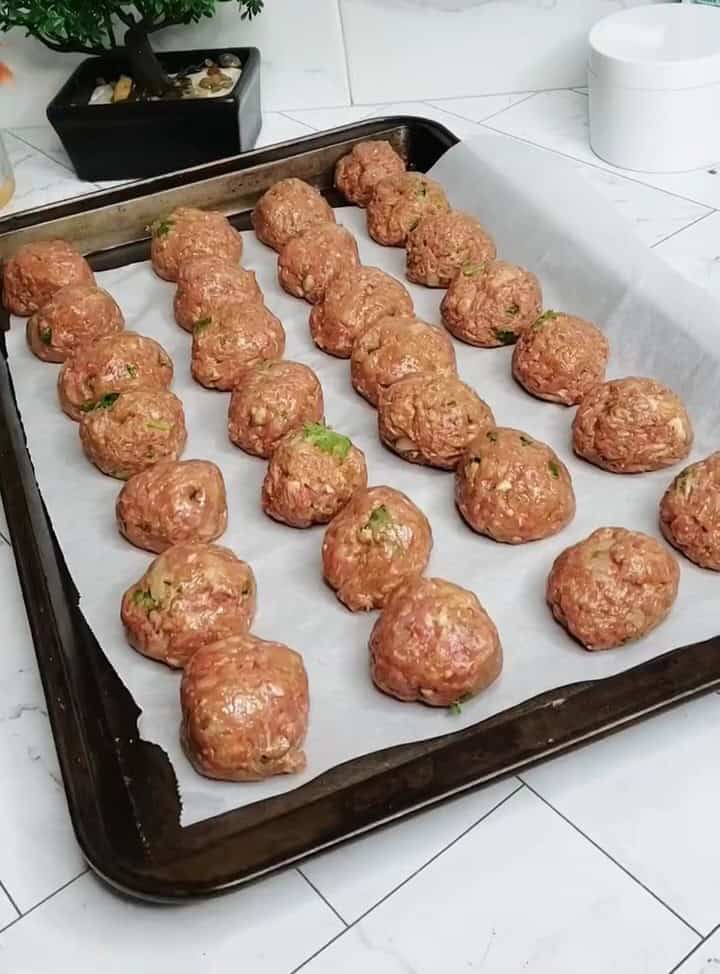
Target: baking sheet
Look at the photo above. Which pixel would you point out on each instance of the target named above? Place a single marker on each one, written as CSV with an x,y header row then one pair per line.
x,y
543,215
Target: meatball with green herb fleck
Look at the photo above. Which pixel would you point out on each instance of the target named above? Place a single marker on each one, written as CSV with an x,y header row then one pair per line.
x,y
190,595
76,315
690,512
271,399
206,283
115,363
490,305
399,203
358,173
245,706
434,643
312,474
128,431
38,270
613,587
442,244
513,488
172,502
286,209
233,338
560,358
378,541
186,233
431,419
308,263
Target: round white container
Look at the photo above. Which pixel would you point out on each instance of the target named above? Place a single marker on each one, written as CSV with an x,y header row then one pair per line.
x,y
654,87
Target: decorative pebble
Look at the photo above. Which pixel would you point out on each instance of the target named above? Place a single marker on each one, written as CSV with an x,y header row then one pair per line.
x,y
229,61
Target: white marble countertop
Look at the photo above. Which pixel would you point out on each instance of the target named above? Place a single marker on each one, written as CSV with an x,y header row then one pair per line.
x,y
600,860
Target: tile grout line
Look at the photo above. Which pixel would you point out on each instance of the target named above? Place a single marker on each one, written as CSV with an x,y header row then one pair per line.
x,y
44,900
291,119
14,905
343,38
607,855
694,950
687,226
325,900
464,118
592,165
407,879
5,538
62,165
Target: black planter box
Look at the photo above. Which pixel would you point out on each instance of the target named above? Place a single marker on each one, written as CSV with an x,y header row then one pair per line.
x,y
135,140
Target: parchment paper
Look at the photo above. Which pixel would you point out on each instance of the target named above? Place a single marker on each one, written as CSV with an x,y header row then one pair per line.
x,y
543,215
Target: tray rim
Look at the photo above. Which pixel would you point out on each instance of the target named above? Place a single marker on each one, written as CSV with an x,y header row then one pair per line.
x,y
124,855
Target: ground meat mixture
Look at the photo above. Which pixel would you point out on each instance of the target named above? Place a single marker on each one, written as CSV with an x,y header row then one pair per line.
x,y
690,512
379,540
632,425
286,209
245,706
232,339
37,270
434,643
115,363
560,358
312,474
191,595
173,502
354,299
308,263
491,304
612,587
394,347
206,283
442,244
432,419
186,233
513,488
76,315
399,203
358,173
128,431
271,399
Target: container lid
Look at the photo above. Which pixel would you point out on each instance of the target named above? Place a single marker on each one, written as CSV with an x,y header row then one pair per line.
x,y
663,45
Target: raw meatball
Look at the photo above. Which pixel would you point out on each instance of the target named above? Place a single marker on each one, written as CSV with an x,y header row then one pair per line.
x,y
442,244
613,587
560,358
398,203
354,299
358,173
309,261
272,399
129,431
288,208
312,474
393,347
690,512
632,425
245,709
379,540
206,283
115,363
75,315
187,233
172,502
513,488
37,271
191,595
491,305
431,419
233,338
435,643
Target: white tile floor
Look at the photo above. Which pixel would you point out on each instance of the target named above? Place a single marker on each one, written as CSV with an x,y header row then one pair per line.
x,y
605,859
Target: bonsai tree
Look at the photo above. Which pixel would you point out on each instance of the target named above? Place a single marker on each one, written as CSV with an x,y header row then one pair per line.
x,y
89,27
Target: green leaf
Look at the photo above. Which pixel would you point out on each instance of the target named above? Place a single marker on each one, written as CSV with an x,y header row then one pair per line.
x,y
327,440
525,440
684,482
202,325
492,436
470,270
161,228
455,708
380,520
46,336
143,599
554,469
132,371
546,316
505,337
156,424
104,402
513,310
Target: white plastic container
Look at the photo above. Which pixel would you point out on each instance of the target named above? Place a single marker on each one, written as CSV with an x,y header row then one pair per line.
x,y
654,87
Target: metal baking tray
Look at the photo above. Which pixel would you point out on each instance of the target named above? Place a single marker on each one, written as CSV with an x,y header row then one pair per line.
x,y
121,790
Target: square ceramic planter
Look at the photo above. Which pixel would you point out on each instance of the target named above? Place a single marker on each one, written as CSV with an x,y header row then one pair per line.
x,y
135,140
